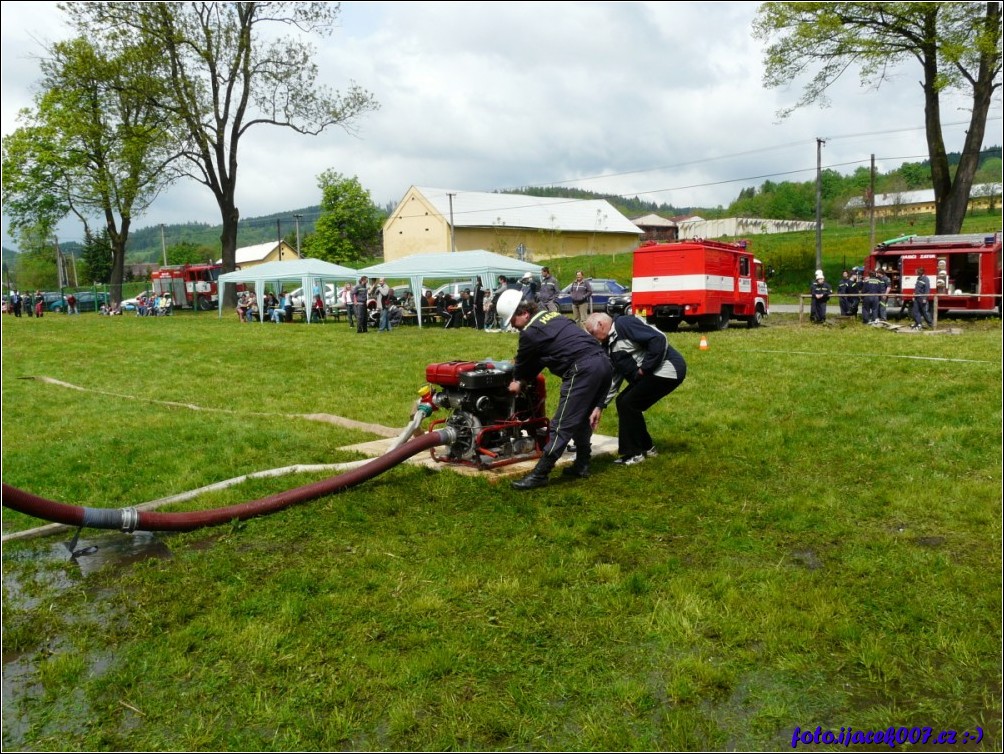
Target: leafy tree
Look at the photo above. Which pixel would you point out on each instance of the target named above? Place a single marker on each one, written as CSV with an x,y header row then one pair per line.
x,y
189,252
90,147
348,230
226,74
958,46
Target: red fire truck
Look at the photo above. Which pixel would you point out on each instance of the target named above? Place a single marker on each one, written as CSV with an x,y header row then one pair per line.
x,y
964,269
703,283
190,285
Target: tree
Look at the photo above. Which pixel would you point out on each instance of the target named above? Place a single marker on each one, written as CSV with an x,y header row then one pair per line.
x,y
89,148
958,46
227,74
348,230
97,257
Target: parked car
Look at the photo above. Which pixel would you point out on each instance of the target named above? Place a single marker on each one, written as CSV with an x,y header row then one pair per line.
x,y
618,305
89,301
54,301
330,296
603,290
130,304
455,288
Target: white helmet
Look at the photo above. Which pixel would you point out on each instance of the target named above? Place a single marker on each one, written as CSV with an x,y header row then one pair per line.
x,y
505,307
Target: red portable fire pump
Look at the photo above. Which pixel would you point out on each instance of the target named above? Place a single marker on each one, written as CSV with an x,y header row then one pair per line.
x,y
493,427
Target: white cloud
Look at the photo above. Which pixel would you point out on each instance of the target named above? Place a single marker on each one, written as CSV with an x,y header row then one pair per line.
x,y
659,100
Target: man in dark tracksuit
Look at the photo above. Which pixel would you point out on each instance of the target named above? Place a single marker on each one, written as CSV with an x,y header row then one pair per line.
x,y
872,287
652,368
552,340
921,290
820,291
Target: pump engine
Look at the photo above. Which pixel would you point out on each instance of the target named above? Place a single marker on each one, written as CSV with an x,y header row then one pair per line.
x,y
493,427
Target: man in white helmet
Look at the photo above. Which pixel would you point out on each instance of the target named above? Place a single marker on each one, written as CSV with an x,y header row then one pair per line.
x,y
552,340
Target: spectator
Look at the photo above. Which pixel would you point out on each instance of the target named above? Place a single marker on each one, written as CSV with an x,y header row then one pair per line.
x,y
71,304
345,299
479,305
582,295
39,304
844,287
382,295
360,298
547,296
467,308
529,287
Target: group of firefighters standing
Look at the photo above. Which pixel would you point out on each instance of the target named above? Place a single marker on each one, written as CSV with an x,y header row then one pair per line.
x,y
869,292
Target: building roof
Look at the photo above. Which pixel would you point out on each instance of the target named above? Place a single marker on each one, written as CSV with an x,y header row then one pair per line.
x,y
256,253
477,209
653,221
922,196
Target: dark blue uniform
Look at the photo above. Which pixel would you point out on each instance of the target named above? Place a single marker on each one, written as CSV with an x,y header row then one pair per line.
x,y
820,295
872,289
552,340
921,290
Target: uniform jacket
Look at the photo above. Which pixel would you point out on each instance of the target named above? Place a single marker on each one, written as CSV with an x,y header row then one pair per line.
x,y
554,341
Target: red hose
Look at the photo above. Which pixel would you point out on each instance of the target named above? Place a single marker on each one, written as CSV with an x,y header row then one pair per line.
x,y
129,519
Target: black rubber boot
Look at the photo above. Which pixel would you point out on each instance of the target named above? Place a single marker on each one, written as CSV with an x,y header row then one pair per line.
x,y
537,477
580,467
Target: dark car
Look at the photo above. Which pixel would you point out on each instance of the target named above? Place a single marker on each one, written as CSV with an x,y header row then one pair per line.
x,y
618,305
603,290
87,301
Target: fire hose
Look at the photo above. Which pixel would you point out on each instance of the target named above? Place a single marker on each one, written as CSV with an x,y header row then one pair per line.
x,y
130,519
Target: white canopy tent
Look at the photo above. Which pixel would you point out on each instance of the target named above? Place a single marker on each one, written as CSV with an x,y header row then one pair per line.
x,y
457,265
307,272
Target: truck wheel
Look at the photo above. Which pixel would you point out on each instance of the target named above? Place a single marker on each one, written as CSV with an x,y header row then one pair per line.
x,y
205,304
714,321
756,320
667,324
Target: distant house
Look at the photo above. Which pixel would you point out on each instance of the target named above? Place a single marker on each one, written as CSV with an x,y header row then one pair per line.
x,y
738,227
656,228
270,251
530,228
981,196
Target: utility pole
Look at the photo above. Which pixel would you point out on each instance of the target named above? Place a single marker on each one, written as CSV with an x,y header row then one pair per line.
x,y
60,270
453,235
278,236
871,208
298,234
819,203
163,245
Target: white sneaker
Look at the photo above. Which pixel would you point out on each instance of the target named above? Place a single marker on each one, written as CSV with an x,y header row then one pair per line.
x,y
630,460
651,453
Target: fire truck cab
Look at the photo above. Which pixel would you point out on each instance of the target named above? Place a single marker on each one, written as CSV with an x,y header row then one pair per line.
x,y
190,285
964,269
703,283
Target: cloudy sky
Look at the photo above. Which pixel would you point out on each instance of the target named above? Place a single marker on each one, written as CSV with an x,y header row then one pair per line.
x,y
658,100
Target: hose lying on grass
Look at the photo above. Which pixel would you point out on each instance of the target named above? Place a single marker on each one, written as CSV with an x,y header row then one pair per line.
x,y
131,519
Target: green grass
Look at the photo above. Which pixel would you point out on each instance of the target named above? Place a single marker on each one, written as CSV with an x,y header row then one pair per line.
x,y
819,543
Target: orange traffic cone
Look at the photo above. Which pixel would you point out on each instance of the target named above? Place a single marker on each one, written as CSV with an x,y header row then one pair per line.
x,y
704,343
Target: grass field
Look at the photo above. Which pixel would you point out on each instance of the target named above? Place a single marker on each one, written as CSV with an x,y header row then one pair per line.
x,y
818,544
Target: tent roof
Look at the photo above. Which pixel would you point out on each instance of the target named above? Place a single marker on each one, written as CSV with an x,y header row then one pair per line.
x,y
458,264
303,271
294,269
